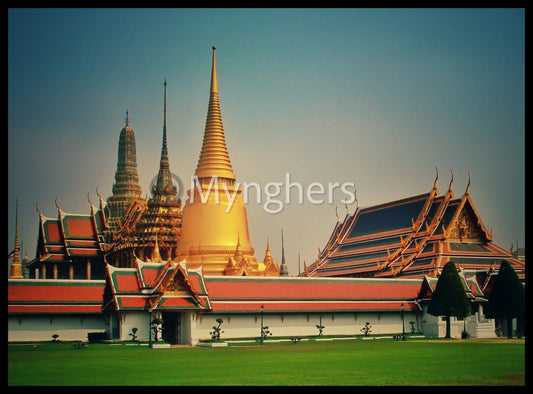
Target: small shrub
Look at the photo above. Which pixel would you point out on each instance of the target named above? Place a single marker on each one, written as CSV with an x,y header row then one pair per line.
x,y
215,334
156,323
265,331
133,333
366,329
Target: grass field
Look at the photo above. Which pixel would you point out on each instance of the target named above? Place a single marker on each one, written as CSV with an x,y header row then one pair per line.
x,y
354,362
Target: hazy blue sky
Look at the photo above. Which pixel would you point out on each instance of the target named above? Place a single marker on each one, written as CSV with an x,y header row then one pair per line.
x,y
374,97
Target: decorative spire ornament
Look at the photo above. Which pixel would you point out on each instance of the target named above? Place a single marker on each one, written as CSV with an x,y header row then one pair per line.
x,y
283,269
215,211
214,158
15,271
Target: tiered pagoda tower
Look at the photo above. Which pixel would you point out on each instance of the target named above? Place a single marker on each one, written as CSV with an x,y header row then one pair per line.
x,y
151,230
159,228
126,186
214,232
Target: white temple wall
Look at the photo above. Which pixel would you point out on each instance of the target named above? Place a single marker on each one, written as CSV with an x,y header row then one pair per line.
x,y
301,324
42,327
134,319
477,325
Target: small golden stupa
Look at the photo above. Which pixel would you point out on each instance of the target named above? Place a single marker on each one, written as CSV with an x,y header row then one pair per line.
x,y
15,272
214,229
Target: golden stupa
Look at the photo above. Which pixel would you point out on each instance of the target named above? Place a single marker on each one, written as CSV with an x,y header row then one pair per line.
x,y
214,229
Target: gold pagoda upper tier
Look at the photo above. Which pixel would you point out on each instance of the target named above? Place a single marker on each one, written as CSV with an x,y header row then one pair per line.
x,y
214,232
214,158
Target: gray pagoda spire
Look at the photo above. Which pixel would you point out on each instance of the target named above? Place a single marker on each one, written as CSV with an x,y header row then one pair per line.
x,y
283,269
164,189
126,186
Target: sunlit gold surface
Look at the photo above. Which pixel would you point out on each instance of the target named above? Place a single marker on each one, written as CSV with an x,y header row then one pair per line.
x,y
214,158
212,235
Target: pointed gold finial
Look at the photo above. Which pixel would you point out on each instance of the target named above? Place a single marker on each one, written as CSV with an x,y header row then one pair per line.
x,y
468,185
436,178
214,84
156,255
214,158
57,206
238,256
451,181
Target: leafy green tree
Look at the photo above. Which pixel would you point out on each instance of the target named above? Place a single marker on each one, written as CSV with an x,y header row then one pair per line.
x,y
507,298
449,298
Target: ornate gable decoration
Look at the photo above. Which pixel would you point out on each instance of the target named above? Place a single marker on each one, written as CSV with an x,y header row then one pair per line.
x,y
467,226
178,285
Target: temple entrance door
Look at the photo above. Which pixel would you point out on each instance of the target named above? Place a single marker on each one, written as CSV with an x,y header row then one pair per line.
x,y
171,327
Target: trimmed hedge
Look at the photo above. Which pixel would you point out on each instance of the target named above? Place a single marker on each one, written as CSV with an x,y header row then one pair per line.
x,y
93,337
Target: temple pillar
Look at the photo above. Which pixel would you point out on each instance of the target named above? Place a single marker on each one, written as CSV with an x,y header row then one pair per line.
x,y
88,276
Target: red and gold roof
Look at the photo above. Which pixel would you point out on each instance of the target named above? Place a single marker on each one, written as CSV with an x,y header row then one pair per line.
x,y
411,238
70,236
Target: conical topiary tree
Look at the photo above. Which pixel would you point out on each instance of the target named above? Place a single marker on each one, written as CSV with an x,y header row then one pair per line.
x,y
449,298
507,298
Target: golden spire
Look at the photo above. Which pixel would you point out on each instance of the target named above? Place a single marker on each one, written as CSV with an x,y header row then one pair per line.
x,y
156,256
214,158
268,255
15,271
209,223
238,250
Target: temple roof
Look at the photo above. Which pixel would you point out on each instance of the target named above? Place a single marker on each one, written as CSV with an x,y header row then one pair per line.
x,y
174,287
289,294
70,236
412,237
55,296
162,286
171,286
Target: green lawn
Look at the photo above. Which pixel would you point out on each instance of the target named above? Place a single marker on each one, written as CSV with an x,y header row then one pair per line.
x,y
354,362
